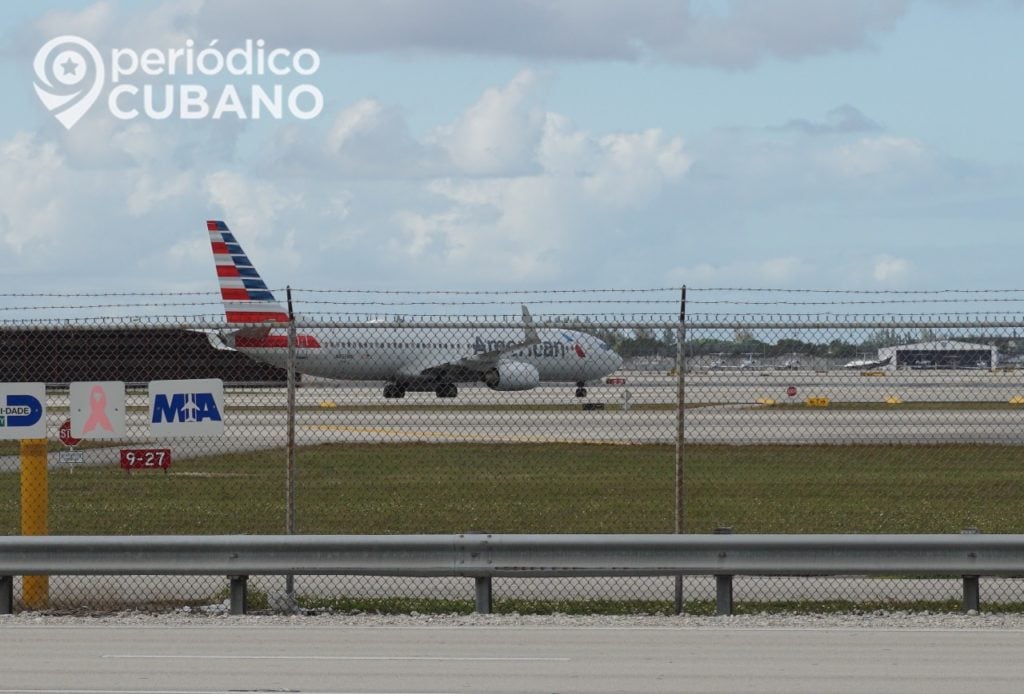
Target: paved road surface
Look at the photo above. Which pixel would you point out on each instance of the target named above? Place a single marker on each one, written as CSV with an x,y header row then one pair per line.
x,y
215,658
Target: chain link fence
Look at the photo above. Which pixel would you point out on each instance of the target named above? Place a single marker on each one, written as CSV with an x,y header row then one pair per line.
x,y
576,416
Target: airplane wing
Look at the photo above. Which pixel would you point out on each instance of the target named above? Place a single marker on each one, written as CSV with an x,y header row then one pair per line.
x,y
469,368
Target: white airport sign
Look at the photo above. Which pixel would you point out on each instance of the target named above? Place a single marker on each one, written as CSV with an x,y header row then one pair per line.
x,y
22,411
97,410
186,408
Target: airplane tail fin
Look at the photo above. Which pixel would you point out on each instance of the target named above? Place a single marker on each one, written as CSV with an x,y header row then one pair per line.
x,y
246,296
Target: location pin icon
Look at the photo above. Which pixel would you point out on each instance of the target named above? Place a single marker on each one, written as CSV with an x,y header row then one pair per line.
x,y
69,77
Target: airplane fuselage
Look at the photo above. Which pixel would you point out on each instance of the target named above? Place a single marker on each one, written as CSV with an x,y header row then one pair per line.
x,y
403,354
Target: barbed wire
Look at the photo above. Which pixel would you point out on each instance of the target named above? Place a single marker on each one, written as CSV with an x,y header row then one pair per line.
x,y
768,290
527,292
538,302
608,319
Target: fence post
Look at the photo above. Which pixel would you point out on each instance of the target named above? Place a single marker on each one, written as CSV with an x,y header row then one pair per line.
x,y
289,494
680,399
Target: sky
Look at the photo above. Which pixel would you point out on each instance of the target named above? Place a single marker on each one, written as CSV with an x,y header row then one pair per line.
x,y
528,144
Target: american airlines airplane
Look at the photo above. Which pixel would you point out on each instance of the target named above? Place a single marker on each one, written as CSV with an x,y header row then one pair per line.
x,y
406,358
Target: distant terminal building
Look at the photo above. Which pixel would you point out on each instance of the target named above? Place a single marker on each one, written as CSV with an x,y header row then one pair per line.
x,y
61,355
941,354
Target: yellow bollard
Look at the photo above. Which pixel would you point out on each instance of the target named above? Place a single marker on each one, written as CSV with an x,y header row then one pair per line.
x,y
35,505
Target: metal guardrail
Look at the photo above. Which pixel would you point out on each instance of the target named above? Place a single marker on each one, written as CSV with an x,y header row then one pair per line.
x,y
484,556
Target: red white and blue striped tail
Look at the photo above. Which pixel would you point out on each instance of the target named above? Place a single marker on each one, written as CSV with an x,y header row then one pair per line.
x,y
246,296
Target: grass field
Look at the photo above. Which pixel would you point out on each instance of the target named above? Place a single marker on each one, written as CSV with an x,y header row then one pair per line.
x,y
547,488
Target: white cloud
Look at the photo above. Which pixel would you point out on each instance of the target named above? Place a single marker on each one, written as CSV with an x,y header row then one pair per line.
x,y
353,122
528,210
742,34
634,167
889,270
872,156
499,134
854,270
780,271
36,194
256,206
151,191
162,25
506,191
842,119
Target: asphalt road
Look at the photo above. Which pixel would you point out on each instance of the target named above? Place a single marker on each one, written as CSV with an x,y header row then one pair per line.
x,y
222,658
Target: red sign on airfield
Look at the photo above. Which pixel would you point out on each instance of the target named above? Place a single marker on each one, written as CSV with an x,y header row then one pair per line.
x,y
65,434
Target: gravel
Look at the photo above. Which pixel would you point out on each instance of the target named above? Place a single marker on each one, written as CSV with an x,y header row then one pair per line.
x,y
218,616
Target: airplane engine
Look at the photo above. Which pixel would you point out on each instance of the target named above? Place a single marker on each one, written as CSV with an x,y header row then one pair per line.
x,y
512,375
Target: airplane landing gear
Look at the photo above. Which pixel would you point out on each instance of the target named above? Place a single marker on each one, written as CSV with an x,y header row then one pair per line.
x,y
446,390
393,390
581,391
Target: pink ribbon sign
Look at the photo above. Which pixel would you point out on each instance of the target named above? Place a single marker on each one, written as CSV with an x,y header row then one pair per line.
x,y
97,411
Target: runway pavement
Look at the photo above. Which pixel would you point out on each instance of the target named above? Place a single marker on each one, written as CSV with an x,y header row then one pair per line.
x,y
222,658
721,408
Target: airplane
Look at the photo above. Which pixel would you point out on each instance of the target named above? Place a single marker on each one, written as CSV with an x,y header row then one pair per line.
x,y
719,364
866,364
790,364
407,359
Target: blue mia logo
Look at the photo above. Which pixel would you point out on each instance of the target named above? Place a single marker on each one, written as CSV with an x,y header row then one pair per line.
x,y
185,407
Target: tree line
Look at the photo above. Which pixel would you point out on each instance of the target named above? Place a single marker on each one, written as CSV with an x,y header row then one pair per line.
x,y
643,342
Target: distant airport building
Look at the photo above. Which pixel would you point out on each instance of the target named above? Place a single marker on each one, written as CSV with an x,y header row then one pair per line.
x,y
941,354
61,355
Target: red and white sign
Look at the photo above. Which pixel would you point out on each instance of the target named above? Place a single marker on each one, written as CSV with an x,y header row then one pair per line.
x,y
145,458
791,391
65,434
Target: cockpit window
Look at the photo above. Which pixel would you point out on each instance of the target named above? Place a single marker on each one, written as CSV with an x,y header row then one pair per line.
x,y
604,345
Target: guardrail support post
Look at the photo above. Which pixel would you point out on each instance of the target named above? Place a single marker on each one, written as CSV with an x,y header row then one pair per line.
x,y
239,593
972,594
723,585
483,594
723,595
6,594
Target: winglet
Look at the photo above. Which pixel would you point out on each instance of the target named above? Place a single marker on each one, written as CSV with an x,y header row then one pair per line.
x,y
531,331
